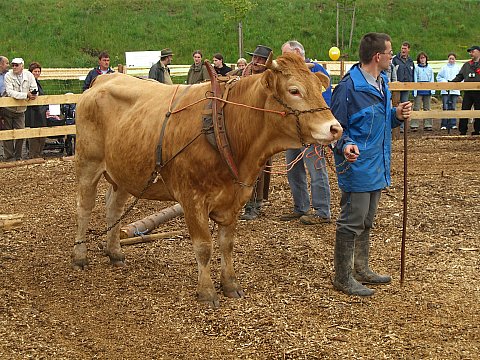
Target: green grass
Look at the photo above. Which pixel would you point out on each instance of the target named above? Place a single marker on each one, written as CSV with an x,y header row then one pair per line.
x,y
66,33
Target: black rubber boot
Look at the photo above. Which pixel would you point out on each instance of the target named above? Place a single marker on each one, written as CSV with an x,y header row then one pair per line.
x,y
362,271
343,261
251,211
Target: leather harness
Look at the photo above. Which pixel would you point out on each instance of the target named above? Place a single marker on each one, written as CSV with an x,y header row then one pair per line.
x,y
213,123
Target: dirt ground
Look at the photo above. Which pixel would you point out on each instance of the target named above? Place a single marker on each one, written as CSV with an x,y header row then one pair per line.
x,y
148,310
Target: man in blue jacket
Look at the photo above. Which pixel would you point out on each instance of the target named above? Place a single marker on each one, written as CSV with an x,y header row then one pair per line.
x,y
316,165
361,103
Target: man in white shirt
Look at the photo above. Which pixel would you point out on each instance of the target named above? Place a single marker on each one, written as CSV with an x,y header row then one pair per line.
x,y
19,84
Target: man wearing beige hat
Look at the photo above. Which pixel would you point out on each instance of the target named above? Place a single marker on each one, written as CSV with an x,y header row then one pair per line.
x,y
19,84
160,71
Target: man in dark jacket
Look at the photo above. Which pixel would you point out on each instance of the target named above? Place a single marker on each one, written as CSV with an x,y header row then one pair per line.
x,y
160,71
470,72
262,185
102,68
405,68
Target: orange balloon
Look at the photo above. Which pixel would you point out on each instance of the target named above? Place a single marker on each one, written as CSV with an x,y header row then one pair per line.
x,y
334,53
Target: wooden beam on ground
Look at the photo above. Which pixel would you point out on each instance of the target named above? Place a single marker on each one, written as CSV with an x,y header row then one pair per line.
x,y
9,221
6,165
150,222
29,133
148,238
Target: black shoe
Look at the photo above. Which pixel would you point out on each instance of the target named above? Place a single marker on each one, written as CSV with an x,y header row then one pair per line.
x,y
251,212
475,133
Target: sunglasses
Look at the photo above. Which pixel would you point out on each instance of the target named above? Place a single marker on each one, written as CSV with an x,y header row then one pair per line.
x,y
15,65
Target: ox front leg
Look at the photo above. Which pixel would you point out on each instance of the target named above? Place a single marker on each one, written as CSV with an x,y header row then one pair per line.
x,y
197,223
230,286
87,180
115,202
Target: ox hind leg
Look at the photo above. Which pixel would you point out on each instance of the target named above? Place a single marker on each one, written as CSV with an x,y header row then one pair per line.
x,y
87,174
230,286
115,200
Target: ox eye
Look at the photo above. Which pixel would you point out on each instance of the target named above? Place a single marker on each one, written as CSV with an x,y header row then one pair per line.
x,y
294,91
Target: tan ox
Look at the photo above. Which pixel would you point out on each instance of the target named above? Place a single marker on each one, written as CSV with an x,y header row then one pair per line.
x,y
119,121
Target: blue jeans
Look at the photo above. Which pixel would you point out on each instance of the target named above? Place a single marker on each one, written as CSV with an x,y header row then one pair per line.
x,y
449,103
319,185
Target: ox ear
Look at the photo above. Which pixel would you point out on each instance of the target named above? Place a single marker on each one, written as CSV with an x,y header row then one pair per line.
x,y
268,80
323,79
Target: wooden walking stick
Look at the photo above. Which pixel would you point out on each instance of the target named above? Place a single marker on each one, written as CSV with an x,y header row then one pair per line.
x,y
405,192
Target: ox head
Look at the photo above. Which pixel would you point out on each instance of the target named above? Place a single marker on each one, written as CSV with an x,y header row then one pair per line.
x,y
299,92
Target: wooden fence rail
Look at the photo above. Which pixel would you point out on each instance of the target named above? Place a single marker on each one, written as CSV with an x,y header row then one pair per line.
x,y
73,98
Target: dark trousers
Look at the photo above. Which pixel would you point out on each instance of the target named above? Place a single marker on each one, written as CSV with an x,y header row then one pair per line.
x,y
262,185
12,149
470,98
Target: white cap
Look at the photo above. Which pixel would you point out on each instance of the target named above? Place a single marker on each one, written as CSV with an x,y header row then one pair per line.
x,y
17,61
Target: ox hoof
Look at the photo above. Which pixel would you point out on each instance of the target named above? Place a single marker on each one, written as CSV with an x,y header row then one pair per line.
x,y
79,265
79,257
117,263
117,259
211,301
234,294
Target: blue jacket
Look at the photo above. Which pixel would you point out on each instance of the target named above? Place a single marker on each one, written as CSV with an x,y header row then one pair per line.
x,y
367,119
423,73
327,94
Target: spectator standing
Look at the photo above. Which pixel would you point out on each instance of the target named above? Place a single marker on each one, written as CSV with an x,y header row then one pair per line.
x,y
422,73
405,67
102,68
4,65
197,73
35,116
361,103
259,58
241,65
449,97
470,72
219,65
392,72
316,165
19,84
260,189
160,71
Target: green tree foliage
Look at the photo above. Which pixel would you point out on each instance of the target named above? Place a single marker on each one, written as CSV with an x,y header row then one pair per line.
x,y
237,10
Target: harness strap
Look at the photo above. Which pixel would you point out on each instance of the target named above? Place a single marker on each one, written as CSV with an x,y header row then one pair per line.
x,y
219,128
173,101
